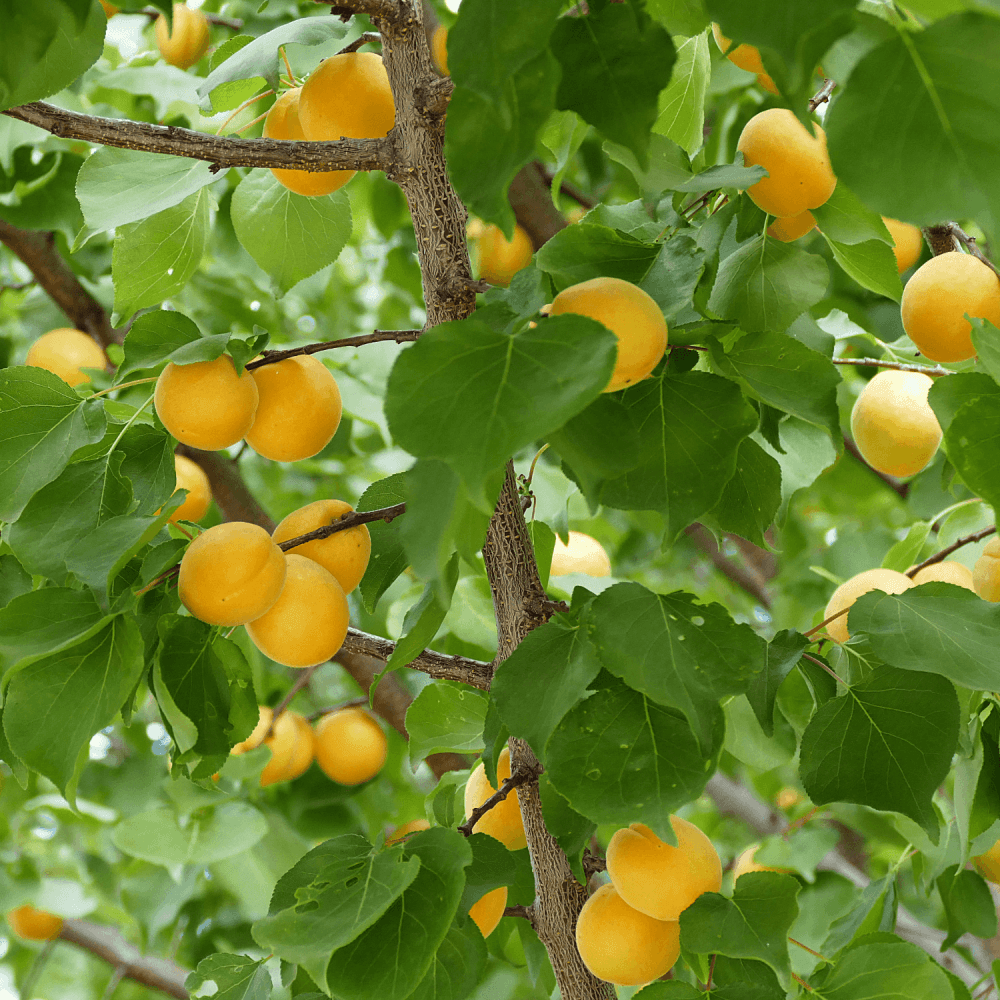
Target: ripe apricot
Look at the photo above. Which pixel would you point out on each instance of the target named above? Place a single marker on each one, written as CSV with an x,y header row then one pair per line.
x,y
344,554
747,57
630,314
487,910
583,554
307,624
936,299
797,163
503,821
64,352
231,574
187,41
788,230
986,572
909,242
255,739
191,477
347,96
299,409
350,746
621,945
660,880
439,49
282,122
947,571
206,404
886,580
499,258
401,831
988,864
34,925
292,747
746,863
894,426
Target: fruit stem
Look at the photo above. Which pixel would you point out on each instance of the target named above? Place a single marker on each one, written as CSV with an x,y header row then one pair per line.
x,y
124,385
288,65
823,94
820,663
245,104
300,682
976,536
823,624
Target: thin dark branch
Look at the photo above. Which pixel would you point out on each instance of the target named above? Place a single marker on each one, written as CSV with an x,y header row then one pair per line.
x,y
364,39
378,337
745,577
353,703
305,676
519,911
387,10
976,536
514,781
823,94
825,622
570,190
442,666
899,366
345,521
948,236
895,485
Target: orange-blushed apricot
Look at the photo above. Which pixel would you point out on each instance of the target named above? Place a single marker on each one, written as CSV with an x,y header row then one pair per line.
x,y
292,747
487,910
499,258
504,820
909,242
350,746
747,57
947,571
788,230
282,122
344,554
404,829
187,41
746,863
299,409
986,572
231,574
988,864
34,925
191,477
887,580
582,554
308,622
937,298
439,49
65,352
206,404
631,314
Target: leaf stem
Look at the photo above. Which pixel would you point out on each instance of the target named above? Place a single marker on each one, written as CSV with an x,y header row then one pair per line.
x,y
806,947
820,663
124,385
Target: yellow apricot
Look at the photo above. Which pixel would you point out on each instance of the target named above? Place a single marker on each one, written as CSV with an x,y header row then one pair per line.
x,y
404,829
504,820
350,746
109,8
487,910
231,574
187,41
988,864
499,258
894,426
255,739
765,81
909,242
947,571
621,945
657,879
886,580
630,314
64,352
936,299
34,925
347,96
746,863
583,554
292,747
282,122
206,404
797,163
439,49
986,572
344,554
307,624
747,57
191,477
299,409
788,230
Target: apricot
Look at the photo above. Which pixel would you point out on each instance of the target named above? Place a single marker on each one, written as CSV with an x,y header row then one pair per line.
x,y
747,57
255,739
231,574
350,746
746,863
404,829
282,122
909,242
986,572
886,580
191,477
487,910
34,925
503,821
582,554
947,571
344,554
307,624
630,314
499,258
788,230
894,426
988,864
64,352
206,404
797,163
187,41
765,81
936,299
621,945
347,96
657,879
299,409
439,49
292,748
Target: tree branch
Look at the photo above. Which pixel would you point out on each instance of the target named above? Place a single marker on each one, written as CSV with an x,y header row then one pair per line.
x,y
976,536
386,10
441,666
748,578
948,236
378,337
363,39
229,490
514,781
899,366
345,521
531,200
822,95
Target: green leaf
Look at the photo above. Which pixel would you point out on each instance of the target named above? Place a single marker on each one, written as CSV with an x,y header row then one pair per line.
x,y
845,219
679,17
968,904
906,552
236,977
465,393
674,275
423,619
986,340
289,235
968,444
724,175
886,743
875,911
668,168
949,395
49,202
388,559
807,451
14,581
492,866
51,423
753,924
783,652
169,87
871,264
886,969
457,967
155,258
148,466
165,335
682,104
585,250
764,284
333,894
229,96
751,498
618,757
445,717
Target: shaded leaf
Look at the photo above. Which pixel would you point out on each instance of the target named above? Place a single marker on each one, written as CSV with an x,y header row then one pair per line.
x,y
445,716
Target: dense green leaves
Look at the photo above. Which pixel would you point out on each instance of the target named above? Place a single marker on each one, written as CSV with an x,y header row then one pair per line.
x,y
236,977
388,559
587,250
445,716
968,904
782,654
682,103
751,498
886,968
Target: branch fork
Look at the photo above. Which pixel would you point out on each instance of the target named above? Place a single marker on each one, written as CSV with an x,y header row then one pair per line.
x,y
521,777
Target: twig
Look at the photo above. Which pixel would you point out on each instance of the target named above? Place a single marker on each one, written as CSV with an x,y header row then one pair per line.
x,y
514,781
823,94
593,863
570,190
116,977
365,39
345,521
320,712
300,682
378,337
802,983
945,237
820,663
386,10
899,366
711,973
976,536
745,577
895,485
518,911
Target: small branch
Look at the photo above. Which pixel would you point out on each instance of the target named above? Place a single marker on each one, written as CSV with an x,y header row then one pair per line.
x,y
899,366
229,490
352,703
305,676
441,666
378,337
365,39
593,863
570,190
820,663
519,911
531,198
823,94
514,781
745,577
894,484
345,521
711,973
976,536
386,10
